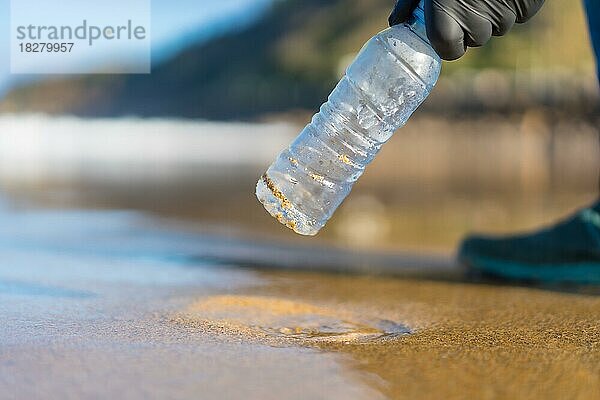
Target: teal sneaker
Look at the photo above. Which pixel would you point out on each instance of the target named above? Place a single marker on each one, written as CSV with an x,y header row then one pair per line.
x,y
566,252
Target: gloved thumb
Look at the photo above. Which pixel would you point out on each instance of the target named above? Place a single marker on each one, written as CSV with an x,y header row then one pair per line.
x,y
402,10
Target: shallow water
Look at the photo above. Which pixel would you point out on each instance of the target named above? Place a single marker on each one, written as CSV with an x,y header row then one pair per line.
x,y
91,305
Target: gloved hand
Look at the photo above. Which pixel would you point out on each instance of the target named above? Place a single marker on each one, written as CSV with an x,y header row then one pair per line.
x,y
454,25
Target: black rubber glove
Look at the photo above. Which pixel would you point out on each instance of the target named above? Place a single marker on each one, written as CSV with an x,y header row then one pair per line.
x,y
454,25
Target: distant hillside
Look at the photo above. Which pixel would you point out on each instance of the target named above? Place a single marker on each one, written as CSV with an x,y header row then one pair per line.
x,y
290,59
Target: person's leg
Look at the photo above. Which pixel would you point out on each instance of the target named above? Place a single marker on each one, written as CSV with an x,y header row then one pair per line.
x,y
593,14
566,252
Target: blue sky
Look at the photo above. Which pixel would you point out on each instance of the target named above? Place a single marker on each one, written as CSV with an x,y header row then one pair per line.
x,y
174,24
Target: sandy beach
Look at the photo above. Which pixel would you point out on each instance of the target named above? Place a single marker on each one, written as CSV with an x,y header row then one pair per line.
x,y
136,311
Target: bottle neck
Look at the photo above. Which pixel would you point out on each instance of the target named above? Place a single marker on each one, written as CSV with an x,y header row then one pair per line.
x,y
416,22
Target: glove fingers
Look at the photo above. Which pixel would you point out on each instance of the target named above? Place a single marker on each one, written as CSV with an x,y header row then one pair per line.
x,y
478,32
504,24
445,34
527,9
402,10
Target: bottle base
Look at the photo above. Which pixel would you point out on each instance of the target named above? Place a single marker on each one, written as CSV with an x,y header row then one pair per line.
x,y
282,209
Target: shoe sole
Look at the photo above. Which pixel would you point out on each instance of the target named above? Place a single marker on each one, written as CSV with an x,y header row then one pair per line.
x,y
580,273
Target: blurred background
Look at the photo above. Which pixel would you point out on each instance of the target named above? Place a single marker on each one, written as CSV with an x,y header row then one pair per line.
x,y
507,141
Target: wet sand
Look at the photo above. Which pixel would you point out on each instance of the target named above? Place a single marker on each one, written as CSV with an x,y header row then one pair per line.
x,y
107,304
468,340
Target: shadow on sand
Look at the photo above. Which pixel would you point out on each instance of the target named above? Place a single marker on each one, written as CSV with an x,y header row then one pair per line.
x,y
406,265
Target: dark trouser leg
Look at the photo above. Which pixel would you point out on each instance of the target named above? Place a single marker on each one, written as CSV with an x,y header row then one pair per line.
x,y
592,8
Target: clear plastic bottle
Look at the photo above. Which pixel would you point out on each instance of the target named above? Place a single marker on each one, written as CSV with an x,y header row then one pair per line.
x,y
391,76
